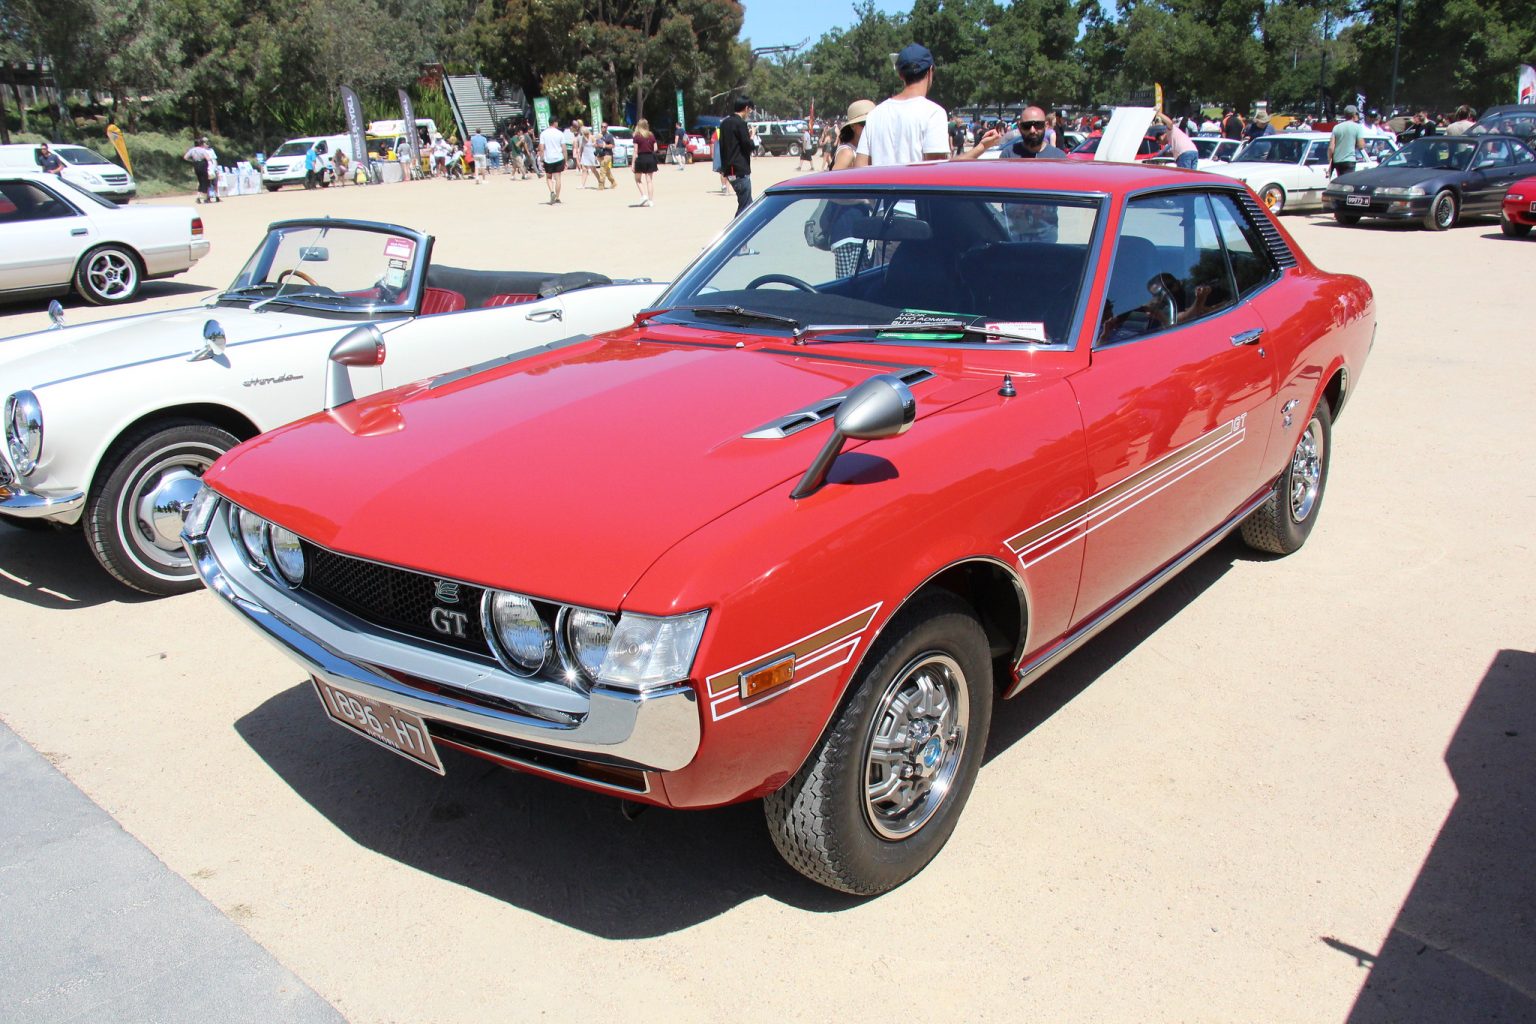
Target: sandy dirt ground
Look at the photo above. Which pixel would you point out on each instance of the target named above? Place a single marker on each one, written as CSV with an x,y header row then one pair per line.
x,y
1282,790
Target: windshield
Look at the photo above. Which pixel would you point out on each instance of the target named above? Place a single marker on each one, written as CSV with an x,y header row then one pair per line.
x,y
1011,262
293,149
339,268
1439,152
80,193
1270,149
1207,147
81,155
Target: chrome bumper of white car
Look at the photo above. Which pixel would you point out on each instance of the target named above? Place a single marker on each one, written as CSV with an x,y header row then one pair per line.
x,y
658,731
20,503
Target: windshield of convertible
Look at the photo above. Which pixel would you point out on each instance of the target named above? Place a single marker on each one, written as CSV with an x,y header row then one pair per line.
x,y
339,269
995,268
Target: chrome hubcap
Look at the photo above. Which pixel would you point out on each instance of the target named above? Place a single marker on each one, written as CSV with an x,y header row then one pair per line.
x,y
916,745
111,274
152,506
1306,472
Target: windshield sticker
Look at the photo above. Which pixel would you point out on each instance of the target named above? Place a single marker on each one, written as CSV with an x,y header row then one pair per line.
x,y
1007,330
925,318
394,278
397,264
399,248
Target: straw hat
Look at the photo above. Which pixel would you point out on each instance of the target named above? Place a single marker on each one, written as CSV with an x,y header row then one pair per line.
x,y
858,110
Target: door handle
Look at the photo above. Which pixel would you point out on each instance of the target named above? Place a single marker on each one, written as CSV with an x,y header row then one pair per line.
x,y
543,316
79,231
1248,337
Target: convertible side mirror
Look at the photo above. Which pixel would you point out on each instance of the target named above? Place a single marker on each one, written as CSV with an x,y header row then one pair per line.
x,y
55,314
213,342
361,346
881,407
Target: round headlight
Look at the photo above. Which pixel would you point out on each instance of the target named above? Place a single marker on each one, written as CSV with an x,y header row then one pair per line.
x,y
287,555
253,536
518,632
24,431
586,635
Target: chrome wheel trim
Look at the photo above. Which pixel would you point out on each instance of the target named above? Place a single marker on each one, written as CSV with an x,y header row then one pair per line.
x,y
1306,475
1273,198
150,507
916,744
1445,209
111,274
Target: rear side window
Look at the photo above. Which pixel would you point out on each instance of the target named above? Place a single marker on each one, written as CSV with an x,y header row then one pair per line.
x,y
1245,246
25,201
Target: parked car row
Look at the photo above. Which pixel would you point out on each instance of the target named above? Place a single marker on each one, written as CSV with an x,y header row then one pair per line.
x,y
869,484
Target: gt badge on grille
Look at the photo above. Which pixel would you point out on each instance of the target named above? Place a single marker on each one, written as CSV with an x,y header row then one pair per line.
x,y
449,622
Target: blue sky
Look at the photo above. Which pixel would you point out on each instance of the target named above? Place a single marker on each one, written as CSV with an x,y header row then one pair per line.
x,y
786,22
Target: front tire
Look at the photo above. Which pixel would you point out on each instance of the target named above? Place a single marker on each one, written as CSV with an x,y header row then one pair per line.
x,y
794,149
882,792
1347,219
1442,211
1282,524
108,274
1273,196
133,518
1512,229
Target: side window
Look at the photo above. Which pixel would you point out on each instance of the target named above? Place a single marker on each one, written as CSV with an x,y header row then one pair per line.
x,y
1493,154
1523,155
1169,268
25,201
1245,246
1317,153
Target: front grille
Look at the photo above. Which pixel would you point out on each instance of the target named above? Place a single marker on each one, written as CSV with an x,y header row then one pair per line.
x,y
396,599
115,179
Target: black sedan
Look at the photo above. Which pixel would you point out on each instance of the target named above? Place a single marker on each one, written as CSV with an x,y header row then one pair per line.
x,y
1435,180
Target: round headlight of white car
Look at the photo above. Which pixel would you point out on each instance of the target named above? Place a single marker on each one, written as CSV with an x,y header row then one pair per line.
x,y
517,631
24,431
287,555
253,537
586,636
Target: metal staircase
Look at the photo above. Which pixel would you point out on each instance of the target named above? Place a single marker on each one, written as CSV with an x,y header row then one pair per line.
x,y
478,107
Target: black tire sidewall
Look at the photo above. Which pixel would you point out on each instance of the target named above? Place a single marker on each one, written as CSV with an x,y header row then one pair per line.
x,y
82,278
104,518
1294,533
942,624
1443,196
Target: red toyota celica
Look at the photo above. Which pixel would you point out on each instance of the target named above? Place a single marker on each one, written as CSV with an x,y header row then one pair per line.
x,y
902,440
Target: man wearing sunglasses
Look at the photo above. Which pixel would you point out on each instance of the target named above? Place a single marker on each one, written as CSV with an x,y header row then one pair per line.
x,y
1027,140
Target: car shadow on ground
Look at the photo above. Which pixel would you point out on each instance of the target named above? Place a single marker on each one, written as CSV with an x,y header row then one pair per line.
x,y
1460,949
53,567
571,855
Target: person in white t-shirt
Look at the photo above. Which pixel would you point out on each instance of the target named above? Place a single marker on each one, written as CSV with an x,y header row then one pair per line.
x,y
552,152
909,127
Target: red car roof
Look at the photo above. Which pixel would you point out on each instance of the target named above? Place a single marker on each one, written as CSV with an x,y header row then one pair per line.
x,y
1053,175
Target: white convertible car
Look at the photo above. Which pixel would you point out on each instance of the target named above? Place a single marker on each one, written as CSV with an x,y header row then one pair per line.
x,y
1289,170
55,235
110,425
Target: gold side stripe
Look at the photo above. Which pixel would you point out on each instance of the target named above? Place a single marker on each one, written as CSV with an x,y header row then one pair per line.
x,y
1086,509
729,681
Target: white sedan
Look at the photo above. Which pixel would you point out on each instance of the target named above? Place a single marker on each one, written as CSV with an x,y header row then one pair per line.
x,y
109,426
55,236
1289,170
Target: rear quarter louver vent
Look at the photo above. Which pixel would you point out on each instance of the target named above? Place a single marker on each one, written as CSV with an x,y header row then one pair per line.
x,y
1281,252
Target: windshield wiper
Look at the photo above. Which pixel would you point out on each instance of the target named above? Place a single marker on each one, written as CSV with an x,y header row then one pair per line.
x,y
735,312
936,327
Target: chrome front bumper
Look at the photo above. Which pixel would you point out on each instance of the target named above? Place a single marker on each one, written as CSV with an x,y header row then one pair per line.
x,y
659,731
21,503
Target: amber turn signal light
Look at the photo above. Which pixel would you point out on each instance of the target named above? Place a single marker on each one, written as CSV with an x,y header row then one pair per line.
x,y
768,677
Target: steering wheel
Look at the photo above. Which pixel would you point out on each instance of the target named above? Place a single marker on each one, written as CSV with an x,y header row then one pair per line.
x,y
793,282
299,274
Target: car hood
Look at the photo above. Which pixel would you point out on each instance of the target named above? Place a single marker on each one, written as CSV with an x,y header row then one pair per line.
x,y
1393,177
47,357
564,475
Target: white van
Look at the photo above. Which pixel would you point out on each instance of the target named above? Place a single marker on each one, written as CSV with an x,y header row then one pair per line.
x,y
286,166
84,167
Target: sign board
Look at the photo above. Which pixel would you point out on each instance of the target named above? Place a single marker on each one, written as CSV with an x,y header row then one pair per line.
x,y
595,101
682,122
541,112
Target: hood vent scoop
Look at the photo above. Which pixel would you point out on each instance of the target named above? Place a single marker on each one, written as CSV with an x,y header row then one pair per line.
x,y
824,409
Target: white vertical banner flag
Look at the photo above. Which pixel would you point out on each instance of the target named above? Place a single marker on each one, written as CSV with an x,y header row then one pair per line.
x,y
1527,90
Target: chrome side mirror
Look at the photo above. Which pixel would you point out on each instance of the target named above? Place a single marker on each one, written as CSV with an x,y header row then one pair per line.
x,y
213,342
361,346
55,314
881,407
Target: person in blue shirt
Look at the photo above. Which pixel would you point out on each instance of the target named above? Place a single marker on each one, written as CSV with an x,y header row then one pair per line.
x,y
311,168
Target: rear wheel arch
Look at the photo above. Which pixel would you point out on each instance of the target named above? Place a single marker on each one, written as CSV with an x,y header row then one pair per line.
x,y
1336,391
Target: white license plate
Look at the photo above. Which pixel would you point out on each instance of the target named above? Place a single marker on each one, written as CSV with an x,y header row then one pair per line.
x,y
1533,207
1358,200
390,727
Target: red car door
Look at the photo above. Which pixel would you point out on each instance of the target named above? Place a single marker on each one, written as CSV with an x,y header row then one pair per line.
x,y
1176,400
